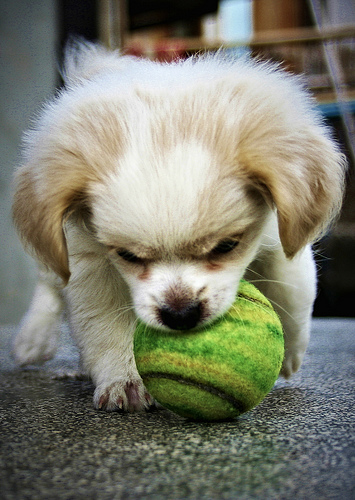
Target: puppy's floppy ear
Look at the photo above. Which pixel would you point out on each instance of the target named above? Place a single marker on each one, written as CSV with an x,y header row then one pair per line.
x,y
43,195
304,173
75,139
283,146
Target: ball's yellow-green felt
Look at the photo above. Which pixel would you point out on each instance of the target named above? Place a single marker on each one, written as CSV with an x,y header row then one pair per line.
x,y
219,371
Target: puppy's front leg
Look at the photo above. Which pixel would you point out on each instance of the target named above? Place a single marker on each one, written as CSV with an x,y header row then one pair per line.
x,y
291,287
102,322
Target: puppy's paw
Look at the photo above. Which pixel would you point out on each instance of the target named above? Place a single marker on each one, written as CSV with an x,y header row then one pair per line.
x,y
291,363
123,395
35,343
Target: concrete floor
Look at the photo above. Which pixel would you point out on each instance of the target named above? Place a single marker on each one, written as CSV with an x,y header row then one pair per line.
x,y
297,444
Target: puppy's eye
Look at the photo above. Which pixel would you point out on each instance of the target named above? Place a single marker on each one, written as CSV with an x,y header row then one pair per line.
x,y
224,247
129,256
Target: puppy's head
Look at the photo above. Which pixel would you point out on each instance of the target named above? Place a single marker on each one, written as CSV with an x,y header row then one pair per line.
x,y
181,233
181,168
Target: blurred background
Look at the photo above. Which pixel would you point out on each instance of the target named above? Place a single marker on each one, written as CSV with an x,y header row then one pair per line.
x,y
312,37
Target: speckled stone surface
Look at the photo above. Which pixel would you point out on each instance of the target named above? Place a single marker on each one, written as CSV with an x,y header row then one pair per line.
x,y
299,443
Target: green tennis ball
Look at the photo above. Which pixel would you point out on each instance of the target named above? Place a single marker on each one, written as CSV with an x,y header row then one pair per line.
x,y
219,371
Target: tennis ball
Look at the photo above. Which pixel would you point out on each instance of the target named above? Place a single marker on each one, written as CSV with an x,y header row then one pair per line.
x,y
219,371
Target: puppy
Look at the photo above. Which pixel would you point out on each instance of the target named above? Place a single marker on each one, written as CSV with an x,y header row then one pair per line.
x,y
149,190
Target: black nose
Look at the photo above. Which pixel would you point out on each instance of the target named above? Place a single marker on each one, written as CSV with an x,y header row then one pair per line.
x,y
182,319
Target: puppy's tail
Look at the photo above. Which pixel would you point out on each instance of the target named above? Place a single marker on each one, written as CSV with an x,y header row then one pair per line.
x,y
83,60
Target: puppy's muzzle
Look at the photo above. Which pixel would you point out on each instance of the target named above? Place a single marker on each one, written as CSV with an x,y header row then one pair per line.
x,y
181,319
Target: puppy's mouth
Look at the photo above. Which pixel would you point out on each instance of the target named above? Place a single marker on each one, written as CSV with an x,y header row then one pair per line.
x,y
182,318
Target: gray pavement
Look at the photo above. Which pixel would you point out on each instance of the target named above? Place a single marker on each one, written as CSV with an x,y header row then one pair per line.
x,y
299,443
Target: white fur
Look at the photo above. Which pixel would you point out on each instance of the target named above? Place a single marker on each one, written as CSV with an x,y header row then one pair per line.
x,y
166,162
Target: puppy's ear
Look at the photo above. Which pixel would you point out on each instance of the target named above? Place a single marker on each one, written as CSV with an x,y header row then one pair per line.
x,y
304,173
280,142
42,198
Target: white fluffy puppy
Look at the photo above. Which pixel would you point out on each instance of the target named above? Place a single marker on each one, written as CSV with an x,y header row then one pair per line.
x,y
151,189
